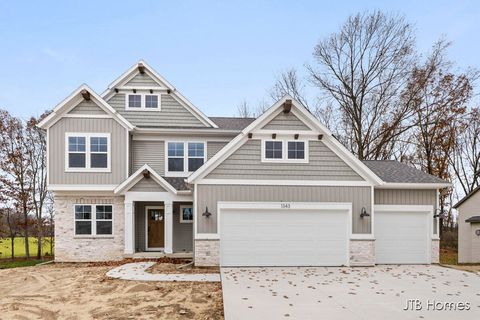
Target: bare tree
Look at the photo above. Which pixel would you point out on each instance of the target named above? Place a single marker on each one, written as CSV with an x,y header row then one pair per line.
x,y
12,221
363,69
289,83
465,159
243,110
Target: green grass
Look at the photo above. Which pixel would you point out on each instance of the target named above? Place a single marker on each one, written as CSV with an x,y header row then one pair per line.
x,y
5,247
7,264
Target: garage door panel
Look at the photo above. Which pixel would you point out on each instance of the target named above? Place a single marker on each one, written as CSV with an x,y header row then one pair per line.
x,y
402,237
283,238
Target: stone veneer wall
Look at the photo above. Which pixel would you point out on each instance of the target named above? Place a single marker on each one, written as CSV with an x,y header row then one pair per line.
x,y
71,248
435,251
207,252
362,253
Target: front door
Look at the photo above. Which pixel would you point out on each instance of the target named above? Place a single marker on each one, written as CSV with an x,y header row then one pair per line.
x,y
155,217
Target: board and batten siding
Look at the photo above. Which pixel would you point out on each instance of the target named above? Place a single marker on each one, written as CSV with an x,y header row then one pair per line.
x,y
245,163
285,121
210,195
171,113
407,197
56,146
87,107
151,152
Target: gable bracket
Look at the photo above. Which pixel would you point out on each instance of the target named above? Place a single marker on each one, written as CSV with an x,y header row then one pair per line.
x,y
287,106
86,94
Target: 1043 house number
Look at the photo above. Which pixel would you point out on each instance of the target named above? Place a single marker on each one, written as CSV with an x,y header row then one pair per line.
x,y
285,205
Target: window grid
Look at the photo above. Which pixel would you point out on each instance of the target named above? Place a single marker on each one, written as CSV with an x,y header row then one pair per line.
x,y
273,149
151,101
95,216
134,101
143,101
296,150
192,155
87,152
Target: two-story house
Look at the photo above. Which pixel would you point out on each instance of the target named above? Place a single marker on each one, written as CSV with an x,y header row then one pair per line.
x,y
140,169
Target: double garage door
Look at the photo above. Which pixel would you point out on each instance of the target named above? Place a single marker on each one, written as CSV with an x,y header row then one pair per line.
x,y
263,235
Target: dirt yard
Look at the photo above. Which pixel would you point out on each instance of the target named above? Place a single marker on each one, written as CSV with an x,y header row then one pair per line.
x,y
79,291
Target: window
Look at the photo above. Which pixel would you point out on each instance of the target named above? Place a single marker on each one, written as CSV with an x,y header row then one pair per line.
x,y
98,224
175,156
87,152
143,101
151,101
283,150
273,149
195,155
296,150
184,157
134,101
186,214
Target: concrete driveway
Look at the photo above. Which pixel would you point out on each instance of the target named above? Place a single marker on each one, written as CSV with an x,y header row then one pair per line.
x,y
380,292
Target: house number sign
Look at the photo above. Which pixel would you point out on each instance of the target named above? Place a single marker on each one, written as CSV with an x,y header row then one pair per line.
x,y
285,205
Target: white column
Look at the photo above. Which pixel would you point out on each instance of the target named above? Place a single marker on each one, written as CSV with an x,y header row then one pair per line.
x,y
168,226
129,228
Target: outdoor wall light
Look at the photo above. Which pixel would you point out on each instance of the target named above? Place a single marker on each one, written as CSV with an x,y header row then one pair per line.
x,y
206,213
438,214
364,213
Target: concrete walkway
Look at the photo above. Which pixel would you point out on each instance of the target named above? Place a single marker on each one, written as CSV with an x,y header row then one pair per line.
x,y
137,271
376,293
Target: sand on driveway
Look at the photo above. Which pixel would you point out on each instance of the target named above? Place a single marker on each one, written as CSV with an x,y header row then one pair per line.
x,y
79,291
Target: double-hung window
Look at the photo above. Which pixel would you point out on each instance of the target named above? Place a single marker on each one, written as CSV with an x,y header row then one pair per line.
x,y
143,101
135,101
284,151
87,152
93,220
184,157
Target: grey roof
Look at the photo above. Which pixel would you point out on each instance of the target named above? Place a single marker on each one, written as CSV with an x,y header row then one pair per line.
x,y
232,123
466,197
178,183
398,172
473,219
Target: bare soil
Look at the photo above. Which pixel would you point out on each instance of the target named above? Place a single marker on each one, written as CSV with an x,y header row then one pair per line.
x,y
82,291
173,268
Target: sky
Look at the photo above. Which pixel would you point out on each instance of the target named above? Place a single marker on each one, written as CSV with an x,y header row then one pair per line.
x,y
216,53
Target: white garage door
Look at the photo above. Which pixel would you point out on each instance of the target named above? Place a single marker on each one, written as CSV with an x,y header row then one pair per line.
x,y
402,237
269,237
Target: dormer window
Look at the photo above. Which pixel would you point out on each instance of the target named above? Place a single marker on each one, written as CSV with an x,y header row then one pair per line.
x,y
143,101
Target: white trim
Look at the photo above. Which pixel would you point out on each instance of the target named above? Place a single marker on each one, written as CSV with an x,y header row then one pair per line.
x,y
143,101
284,158
82,187
436,235
391,185
185,143
76,98
178,137
131,196
372,214
279,182
138,175
93,221
48,156
362,236
185,206
88,116
88,152
147,248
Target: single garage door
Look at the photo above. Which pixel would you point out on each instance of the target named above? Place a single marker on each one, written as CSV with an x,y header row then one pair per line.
x,y
402,237
295,237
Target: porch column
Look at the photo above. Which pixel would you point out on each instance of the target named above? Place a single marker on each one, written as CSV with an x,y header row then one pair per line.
x,y
168,226
129,227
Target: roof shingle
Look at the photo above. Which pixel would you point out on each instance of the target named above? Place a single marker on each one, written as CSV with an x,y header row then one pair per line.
x,y
232,123
398,172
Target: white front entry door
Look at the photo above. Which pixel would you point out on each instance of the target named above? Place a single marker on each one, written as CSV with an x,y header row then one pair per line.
x,y
403,234
275,237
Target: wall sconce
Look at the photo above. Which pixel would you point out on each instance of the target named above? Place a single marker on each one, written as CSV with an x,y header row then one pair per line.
x,y
364,213
438,214
206,213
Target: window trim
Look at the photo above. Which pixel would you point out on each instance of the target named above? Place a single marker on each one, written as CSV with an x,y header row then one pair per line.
x,y
185,172
183,206
93,220
88,152
284,158
143,101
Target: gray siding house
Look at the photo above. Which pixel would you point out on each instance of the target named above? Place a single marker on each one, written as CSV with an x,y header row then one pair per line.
x,y
469,227
140,171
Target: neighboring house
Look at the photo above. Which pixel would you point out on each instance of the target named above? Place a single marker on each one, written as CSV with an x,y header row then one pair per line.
x,y
139,168
469,227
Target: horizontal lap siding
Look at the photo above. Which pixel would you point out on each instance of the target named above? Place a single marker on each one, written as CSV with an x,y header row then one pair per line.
x,y
245,163
209,195
172,113
142,80
148,152
214,147
87,107
118,144
147,185
285,121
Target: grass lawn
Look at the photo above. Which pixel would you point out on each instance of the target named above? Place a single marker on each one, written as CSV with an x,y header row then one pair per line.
x,y
5,247
448,256
7,264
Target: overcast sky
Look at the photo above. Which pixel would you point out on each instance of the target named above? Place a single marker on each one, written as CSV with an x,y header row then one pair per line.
x,y
217,53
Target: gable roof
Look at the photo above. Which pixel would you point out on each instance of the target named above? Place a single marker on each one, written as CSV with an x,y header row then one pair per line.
x,y
392,171
468,196
162,82
304,115
232,123
138,175
76,98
